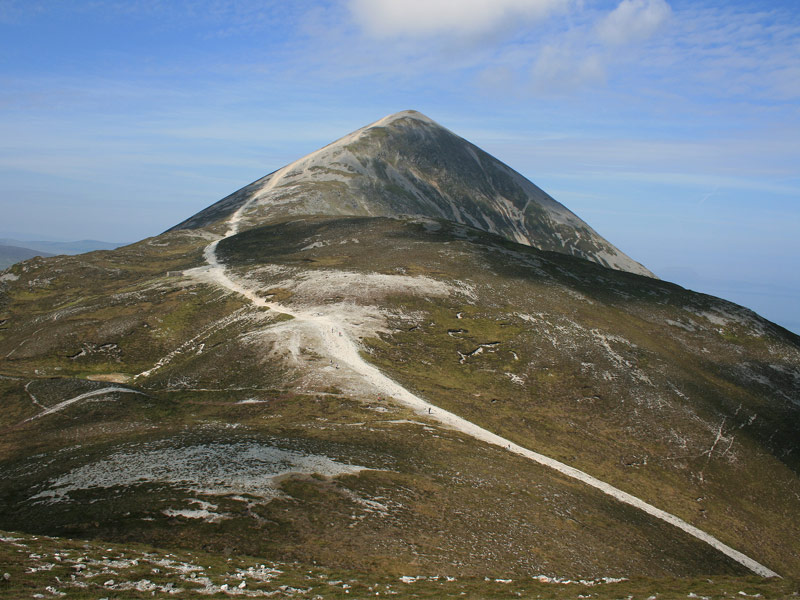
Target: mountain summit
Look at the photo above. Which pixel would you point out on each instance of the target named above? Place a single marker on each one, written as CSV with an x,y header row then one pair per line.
x,y
407,164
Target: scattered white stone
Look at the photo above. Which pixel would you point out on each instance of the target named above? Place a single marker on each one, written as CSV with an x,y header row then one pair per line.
x,y
515,379
214,469
205,515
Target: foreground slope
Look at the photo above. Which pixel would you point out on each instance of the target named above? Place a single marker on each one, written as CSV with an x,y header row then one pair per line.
x,y
407,164
51,566
684,400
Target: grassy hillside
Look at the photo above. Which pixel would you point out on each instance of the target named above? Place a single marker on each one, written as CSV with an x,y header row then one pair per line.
x,y
687,401
144,405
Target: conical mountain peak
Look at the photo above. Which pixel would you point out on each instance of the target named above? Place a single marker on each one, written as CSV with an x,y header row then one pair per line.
x,y
404,114
407,164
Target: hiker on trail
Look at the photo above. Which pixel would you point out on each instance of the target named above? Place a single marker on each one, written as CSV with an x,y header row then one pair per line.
x,y
429,410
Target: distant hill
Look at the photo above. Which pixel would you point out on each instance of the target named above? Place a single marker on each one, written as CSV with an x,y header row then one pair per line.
x,y
13,254
53,248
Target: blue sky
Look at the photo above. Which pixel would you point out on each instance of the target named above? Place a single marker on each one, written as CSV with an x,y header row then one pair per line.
x,y
671,126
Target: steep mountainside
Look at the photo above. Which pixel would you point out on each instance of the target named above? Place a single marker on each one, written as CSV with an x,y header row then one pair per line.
x,y
395,396
406,164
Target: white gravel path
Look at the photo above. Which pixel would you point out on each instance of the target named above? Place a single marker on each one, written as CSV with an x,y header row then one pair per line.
x,y
337,344
92,394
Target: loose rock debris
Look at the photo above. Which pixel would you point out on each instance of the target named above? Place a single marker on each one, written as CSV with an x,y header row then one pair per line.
x,y
46,567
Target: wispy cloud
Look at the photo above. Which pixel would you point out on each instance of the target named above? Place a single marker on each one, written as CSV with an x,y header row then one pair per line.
x,y
561,69
633,21
516,49
389,18
12,11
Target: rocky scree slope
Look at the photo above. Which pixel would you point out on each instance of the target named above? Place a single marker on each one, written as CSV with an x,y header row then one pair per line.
x,y
407,164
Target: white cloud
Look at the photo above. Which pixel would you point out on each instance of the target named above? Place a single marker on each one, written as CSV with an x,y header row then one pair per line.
x,y
633,21
392,18
558,70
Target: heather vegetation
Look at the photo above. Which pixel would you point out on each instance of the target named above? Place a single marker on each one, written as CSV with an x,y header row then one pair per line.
x,y
204,407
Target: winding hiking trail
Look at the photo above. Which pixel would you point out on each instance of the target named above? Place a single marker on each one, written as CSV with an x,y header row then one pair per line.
x,y
338,344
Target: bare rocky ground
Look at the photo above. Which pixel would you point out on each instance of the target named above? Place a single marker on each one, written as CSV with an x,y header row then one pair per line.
x,y
46,567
